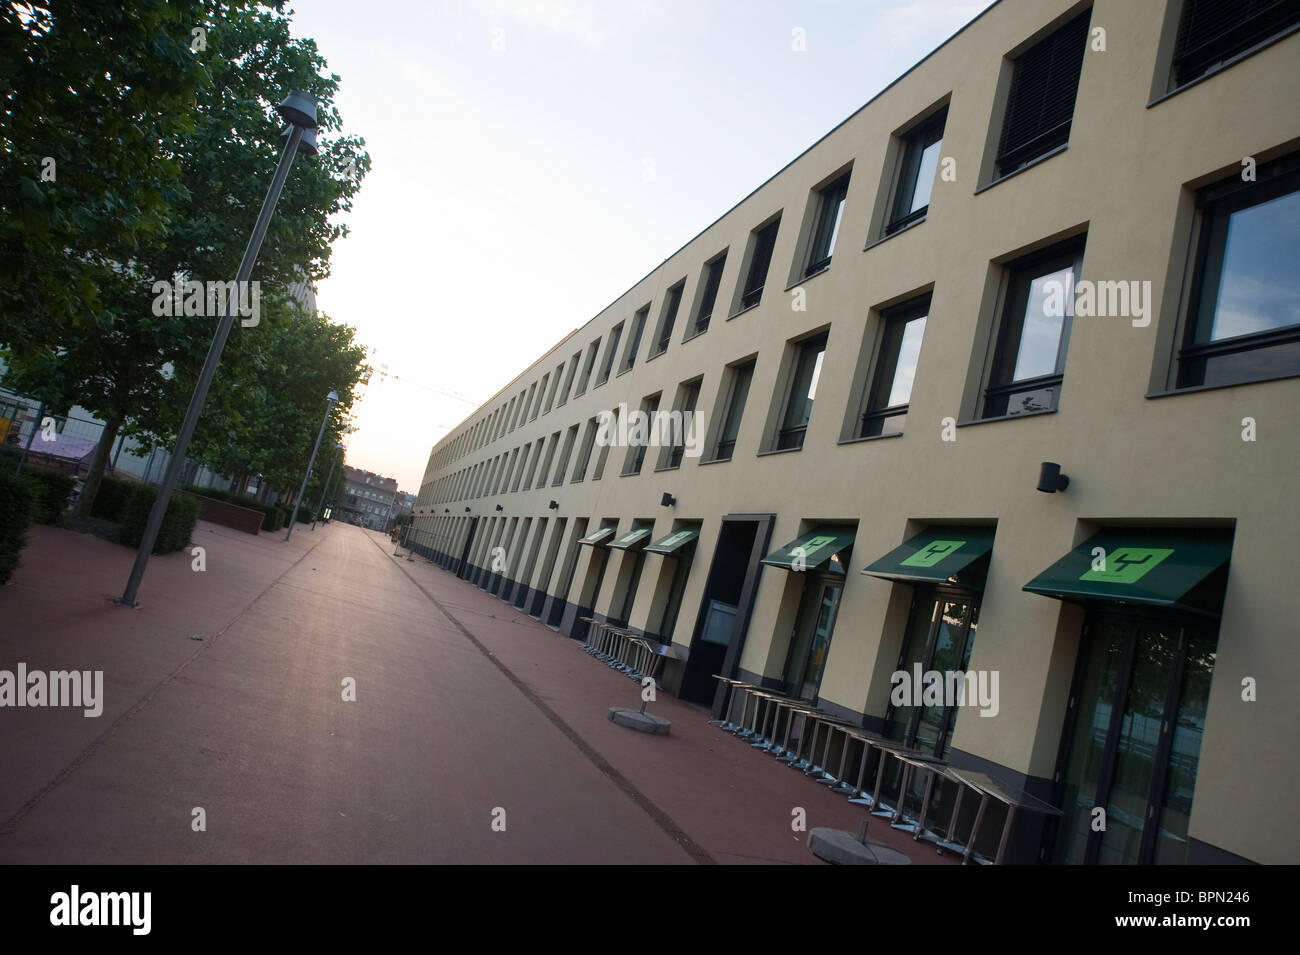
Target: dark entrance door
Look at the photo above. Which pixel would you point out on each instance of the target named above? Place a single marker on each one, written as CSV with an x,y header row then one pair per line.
x,y
1134,737
729,594
463,568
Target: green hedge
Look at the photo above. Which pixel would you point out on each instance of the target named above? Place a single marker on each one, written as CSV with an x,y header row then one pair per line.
x,y
127,504
51,491
17,500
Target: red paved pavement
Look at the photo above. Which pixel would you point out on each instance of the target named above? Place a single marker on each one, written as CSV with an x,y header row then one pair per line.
x,y
463,706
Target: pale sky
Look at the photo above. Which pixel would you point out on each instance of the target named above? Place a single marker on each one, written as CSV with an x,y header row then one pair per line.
x,y
533,159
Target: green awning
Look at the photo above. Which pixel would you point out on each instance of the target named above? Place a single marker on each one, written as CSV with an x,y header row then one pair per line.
x,y
936,556
630,540
1159,567
599,537
812,549
674,542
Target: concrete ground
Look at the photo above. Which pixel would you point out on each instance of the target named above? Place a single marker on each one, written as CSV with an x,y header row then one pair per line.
x,y
477,735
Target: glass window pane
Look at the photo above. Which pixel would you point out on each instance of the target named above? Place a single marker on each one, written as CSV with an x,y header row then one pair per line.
x,y
1139,737
909,349
1040,335
1185,751
925,175
1258,290
1096,698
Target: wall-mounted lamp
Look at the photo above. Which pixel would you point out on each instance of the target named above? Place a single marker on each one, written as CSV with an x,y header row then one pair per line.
x,y
467,510
1050,478
667,500
500,508
446,510
554,505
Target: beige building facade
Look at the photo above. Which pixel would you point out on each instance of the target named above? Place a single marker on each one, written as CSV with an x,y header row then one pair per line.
x,y
1062,238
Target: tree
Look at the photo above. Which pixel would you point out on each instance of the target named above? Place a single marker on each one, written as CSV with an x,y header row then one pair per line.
x,y
121,360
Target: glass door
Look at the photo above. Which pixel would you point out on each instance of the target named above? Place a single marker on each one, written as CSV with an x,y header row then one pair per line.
x,y
1141,695
806,660
940,637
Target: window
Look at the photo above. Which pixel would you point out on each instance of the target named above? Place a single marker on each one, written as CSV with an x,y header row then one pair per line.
x,y
830,206
688,398
569,438
764,241
708,294
535,399
668,317
610,352
634,342
1041,103
1213,32
920,163
612,424
741,376
890,390
1243,319
584,453
803,389
640,440
550,455
591,363
1029,360
568,380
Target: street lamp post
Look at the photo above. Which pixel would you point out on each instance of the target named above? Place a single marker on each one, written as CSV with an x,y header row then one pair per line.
x,y
330,401
326,486
299,111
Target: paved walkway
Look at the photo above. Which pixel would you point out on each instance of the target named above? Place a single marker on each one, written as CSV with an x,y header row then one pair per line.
x,y
466,712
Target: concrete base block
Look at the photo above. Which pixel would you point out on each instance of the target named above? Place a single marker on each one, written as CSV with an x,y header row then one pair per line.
x,y
842,848
643,722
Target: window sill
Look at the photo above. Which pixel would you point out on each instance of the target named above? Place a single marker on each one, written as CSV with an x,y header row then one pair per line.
x,y
1227,64
747,308
870,437
668,467
693,336
650,358
714,461
811,275
1006,417
624,371
1193,389
1025,168
763,454
893,235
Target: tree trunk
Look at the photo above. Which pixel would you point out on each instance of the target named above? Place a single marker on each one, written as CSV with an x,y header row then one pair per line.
x,y
97,463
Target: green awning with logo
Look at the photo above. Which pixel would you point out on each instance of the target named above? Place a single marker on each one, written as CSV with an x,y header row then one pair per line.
x,y
1153,566
632,539
936,556
674,542
812,549
599,538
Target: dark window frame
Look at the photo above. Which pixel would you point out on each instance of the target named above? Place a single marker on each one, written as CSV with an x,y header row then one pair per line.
x,y
1216,205
1000,386
1036,121
764,245
821,246
893,325
735,408
920,138
791,437
1217,45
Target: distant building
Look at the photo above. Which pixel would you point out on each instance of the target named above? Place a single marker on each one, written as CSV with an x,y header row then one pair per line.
x,y
369,500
